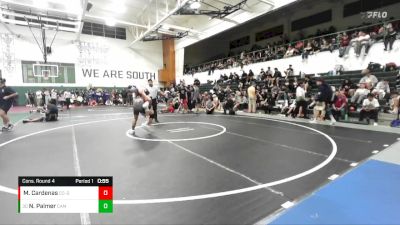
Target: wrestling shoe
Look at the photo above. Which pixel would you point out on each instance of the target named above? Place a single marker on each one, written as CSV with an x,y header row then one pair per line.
x,y
8,128
131,132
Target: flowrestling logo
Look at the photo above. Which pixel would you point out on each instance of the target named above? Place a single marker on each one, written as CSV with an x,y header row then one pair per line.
x,y
374,15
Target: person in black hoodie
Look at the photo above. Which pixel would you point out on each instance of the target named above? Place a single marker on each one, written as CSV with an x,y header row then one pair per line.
x,y
322,99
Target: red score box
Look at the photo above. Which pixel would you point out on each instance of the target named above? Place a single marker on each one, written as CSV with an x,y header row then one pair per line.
x,y
105,193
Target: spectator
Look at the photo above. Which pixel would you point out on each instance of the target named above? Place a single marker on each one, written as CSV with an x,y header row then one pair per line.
x,y
382,89
324,96
308,83
301,100
277,74
67,96
389,36
291,110
339,105
230,105
349,87
344,45
290,52
370,108
251,93
326,46
265,103
308,50
269,71
363,40
368,79
289,71
210,106
395,103
360,94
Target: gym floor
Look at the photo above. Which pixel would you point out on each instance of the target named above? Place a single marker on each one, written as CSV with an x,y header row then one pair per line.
x,y
189,169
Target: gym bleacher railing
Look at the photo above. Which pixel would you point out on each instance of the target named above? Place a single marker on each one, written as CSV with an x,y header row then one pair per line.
x,y
204,66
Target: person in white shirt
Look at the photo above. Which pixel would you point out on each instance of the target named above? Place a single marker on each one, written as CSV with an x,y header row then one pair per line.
x,y
369,79
154,91
67,96
382,89
39,98
370,109
363,39
301,100
360,94
46,96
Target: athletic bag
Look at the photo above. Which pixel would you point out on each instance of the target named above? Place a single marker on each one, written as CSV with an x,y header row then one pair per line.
x,y
395,123
390,66
374,67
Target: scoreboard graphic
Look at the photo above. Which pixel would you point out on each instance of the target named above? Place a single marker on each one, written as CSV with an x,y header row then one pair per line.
x,y
65,194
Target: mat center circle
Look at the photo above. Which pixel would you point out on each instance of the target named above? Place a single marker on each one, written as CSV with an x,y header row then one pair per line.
x,y
183,129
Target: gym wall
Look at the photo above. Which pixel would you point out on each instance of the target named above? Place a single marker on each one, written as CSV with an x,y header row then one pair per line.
x,y
94,61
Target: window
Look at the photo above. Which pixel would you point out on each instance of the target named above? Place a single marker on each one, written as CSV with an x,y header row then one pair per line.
x,y
309,21
97,29
239,42
269,33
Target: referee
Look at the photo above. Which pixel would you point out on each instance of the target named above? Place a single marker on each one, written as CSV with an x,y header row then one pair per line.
x,y
153,93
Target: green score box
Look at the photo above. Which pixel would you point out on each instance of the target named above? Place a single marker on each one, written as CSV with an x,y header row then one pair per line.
x,y
105,206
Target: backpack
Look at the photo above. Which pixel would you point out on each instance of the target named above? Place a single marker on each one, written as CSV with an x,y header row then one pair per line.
x,y
395,123
374,67
390,66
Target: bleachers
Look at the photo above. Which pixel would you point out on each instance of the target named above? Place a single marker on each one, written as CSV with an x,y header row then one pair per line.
x,y
336,81
355,77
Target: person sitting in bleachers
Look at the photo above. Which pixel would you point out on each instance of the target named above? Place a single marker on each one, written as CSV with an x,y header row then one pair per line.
x,y
368,79
290,110
370,109
395,103
308,50
338,108
363,40
349,87
289,71
230,105
290,52
360,94
389,36
344,45
382,89
326,46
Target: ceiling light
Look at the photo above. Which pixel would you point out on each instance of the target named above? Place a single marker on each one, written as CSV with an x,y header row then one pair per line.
x,y
41,4
110,22
195,5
